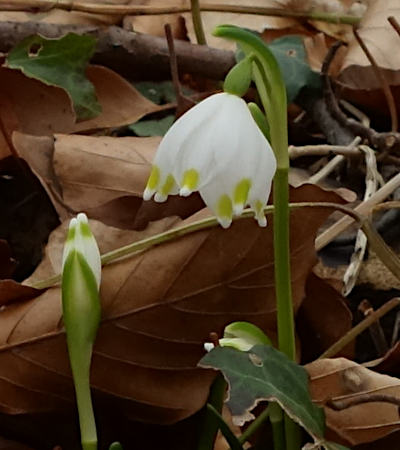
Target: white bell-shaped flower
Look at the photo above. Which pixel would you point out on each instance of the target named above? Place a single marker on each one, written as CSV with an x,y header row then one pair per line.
x,y
216,148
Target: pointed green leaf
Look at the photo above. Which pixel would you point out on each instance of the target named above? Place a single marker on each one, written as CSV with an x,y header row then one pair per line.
x,y
62,63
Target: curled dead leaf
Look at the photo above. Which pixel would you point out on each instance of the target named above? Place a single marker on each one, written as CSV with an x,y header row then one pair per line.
x,y
158,308
334,379
43,110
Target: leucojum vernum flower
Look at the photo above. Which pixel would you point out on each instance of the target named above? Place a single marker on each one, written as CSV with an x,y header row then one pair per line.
x,y
216,148
81,314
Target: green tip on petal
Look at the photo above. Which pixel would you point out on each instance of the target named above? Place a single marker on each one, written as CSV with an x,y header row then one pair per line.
x,y
258,208
240,195
152,183
224,211
190,181
168,185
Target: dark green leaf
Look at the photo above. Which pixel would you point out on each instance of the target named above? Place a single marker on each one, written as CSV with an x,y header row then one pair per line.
x,y
157,92
62,63
291,56
264,373
152,127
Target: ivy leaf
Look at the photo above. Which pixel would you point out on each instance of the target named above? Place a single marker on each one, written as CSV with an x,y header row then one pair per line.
x,y
62,63
152,127
297,74
264,373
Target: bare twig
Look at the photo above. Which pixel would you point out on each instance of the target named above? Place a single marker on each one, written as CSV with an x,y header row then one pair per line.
x,y
339,405
363,208
133,55
382,141
380,76
371,184
392,20
359,328
183,103
327,169
322,150
375,330
332,164
71,5
362,117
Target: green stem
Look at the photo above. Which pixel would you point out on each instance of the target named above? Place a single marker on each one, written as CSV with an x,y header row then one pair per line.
x,y
277,424
285,318
197,22
80,370
377,244
230,438
210,424
255,425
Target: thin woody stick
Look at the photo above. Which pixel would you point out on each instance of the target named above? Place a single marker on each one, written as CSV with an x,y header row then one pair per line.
x,y
45,5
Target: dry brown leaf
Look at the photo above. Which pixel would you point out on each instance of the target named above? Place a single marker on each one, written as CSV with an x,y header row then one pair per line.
x,y
323,319
158,309
382,41
102,176
121,103
93,171
5,444
317,47
11,291
155,24
38,152
389,364
341,379
42,110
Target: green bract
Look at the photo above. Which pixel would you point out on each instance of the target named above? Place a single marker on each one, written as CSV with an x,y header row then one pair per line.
x,y
238,80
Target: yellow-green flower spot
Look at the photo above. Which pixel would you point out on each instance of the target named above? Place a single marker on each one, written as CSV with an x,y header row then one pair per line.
x,y
168,185
224,210
189,183
240,195
154,178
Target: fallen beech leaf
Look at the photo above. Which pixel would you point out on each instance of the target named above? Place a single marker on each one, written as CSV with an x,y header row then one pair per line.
x,y
44,110
38,152
158,309
381,39
39,109
322,320
95,170
121,103
389,364
5,444
340,379
11,291
59,62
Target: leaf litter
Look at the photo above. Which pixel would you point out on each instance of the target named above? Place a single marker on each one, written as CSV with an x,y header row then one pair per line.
x,y
157,310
